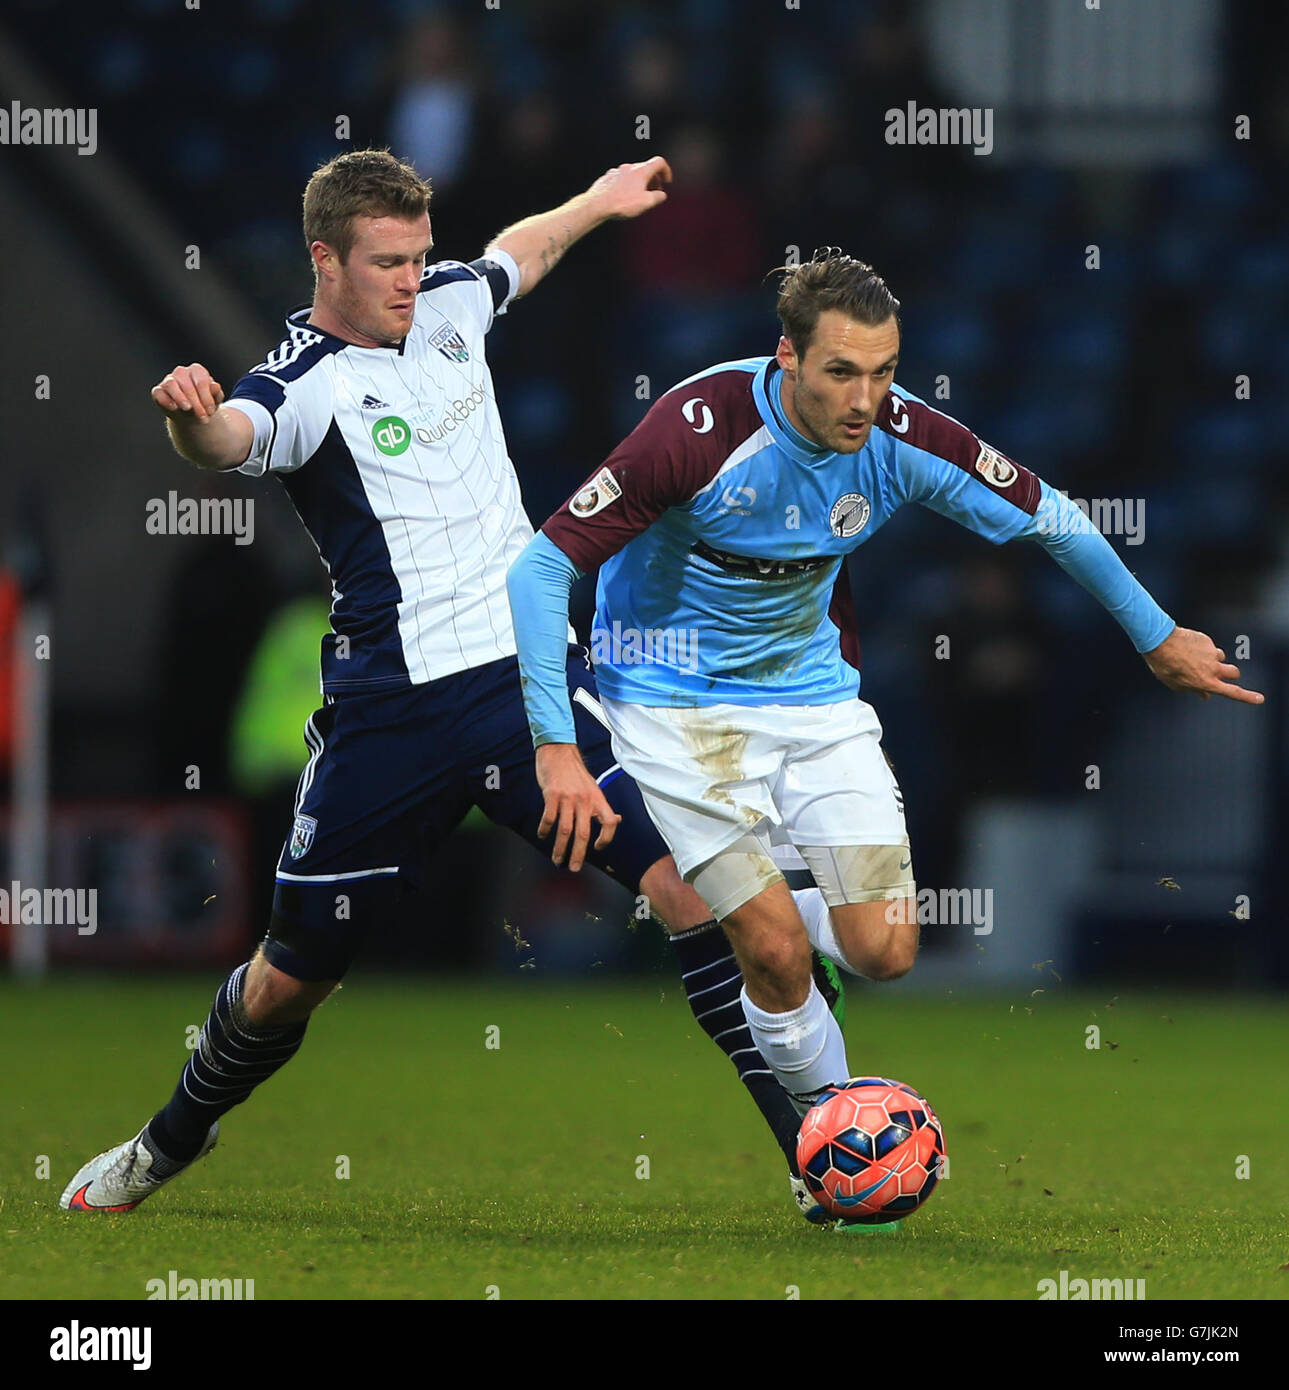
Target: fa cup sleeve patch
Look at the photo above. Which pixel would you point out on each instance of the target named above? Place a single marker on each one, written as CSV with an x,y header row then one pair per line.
x,y
603,489
994,468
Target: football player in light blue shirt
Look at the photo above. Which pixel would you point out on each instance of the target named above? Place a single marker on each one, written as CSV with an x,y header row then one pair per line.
x,y
720,527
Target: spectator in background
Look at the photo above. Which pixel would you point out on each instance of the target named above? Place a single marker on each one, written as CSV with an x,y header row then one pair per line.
x,y
705,237
986,690
433,117
884,64
828,168
530,142
555,420
692,282
813,166
650,84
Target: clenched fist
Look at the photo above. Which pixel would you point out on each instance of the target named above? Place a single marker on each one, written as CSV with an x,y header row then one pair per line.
x,y
189,390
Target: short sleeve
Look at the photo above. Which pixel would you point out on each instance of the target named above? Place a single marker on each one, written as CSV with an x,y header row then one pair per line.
x,y
480,290
501,271
290,418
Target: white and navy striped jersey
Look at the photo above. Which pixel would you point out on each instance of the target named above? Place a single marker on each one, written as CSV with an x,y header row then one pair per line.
x,y
395,460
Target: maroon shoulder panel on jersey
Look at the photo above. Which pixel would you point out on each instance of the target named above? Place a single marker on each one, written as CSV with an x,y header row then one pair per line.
x,y
918,424
673,453
842,611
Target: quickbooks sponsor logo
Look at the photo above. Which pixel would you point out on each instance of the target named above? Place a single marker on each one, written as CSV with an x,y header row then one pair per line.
x,y
457,415
391,435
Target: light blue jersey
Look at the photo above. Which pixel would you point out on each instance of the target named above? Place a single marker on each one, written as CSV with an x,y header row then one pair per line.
x,y
721,532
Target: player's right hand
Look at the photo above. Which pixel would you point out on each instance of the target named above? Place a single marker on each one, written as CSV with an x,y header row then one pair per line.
x,y
1190,660
630,189
189,390
573,801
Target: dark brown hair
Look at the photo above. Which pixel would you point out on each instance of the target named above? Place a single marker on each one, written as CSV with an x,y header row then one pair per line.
x,y
831,280
359,183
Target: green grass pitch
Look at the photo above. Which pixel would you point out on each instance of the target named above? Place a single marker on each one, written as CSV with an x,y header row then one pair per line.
x,y
520,1168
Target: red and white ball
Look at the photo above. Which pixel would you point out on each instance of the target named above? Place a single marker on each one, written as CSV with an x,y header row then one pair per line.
x,y
871,1150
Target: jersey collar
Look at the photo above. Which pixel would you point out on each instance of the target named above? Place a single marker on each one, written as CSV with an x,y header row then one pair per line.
x,y
765,391
299,318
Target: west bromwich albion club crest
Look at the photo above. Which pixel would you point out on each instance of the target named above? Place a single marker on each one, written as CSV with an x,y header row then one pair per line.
x,y
302,835
849,515
450,343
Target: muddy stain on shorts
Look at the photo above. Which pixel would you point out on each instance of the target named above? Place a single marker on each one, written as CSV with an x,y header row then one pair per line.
x,y
717,750
766,870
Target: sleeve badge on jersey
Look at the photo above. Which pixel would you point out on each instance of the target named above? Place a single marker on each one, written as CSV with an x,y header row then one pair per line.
x,y
994,468
596,495
450,343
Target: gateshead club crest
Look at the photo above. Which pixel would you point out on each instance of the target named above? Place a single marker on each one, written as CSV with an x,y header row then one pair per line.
x,y
849,515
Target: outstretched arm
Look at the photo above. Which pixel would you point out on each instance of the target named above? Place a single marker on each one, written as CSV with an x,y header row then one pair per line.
x,y
200,428
539,582
940,463
538,242
1181,657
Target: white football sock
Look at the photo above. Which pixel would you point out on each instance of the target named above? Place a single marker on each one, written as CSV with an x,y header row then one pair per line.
x,y
819,929
804,1048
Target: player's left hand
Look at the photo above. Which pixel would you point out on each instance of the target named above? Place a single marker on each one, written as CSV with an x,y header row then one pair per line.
x,y
573,801
631,189
1189,660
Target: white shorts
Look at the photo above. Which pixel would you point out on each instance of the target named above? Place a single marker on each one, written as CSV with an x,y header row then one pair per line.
x,y
798,774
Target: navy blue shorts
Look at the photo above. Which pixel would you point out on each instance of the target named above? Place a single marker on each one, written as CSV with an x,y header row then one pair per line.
x,y
391,775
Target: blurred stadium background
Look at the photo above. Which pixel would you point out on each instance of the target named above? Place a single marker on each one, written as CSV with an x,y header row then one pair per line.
x,y
179,240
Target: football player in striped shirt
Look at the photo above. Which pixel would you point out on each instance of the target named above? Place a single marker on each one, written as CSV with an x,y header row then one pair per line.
x,y
725,642
377,414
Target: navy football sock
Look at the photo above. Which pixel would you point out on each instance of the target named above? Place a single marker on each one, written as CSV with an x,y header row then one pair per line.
x,y
713,983
231,1058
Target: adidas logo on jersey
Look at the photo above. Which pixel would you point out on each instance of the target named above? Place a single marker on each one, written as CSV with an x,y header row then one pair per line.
x,y
371,403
